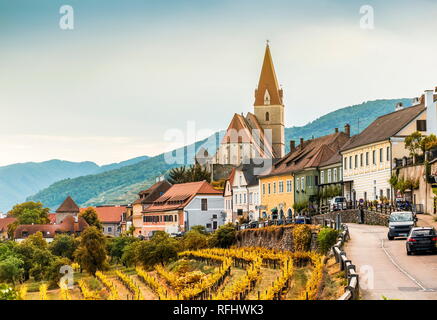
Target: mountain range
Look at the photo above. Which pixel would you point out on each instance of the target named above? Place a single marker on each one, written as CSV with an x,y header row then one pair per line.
x,y
119,184
20,180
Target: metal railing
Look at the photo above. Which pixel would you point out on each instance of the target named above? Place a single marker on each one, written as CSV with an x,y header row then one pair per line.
x,y
352,290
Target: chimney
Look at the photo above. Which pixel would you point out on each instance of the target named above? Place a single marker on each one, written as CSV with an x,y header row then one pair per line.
x,y
301,141
292,145
336,130
399,106
347,129
431,112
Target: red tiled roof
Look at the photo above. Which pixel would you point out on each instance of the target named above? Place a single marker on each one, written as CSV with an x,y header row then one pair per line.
x,y
108,214
52,217
68,206
179,195
311,154
68,225
5,222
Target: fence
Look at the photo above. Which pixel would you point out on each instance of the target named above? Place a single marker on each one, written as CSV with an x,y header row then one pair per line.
x,y
352,290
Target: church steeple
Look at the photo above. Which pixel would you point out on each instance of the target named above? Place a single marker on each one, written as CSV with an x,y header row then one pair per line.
x,y
268,91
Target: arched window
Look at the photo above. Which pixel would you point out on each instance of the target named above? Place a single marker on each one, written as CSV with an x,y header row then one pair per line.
x,y
267,116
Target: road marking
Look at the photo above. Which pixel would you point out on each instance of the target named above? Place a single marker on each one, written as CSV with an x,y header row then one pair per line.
x,y
417,282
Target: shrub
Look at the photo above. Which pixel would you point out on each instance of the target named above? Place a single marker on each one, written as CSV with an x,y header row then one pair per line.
x,y
326,238
302,237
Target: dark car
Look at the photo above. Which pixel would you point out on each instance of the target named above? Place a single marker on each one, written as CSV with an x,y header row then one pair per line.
x,y
421,239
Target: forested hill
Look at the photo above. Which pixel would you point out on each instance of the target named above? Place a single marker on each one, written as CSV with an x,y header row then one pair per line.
x,y
357,116
21,180
121,186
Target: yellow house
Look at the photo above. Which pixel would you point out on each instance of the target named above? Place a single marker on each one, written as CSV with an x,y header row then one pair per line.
x,y
276,192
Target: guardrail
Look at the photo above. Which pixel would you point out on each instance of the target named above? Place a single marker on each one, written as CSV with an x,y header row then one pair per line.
x,y
352,290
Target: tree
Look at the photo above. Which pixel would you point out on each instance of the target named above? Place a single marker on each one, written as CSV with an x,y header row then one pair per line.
x,y
64,246
37,240
117,246
224,236
160,249
91,253
11,269
30,212
54,274
414,143
7,293
177,175
429,142
195,239
41,261
90,216
192,174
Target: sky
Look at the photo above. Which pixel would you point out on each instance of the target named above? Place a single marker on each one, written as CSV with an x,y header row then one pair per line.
x,y
132,71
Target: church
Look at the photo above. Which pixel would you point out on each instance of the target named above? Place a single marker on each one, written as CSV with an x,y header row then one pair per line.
x,y
258,135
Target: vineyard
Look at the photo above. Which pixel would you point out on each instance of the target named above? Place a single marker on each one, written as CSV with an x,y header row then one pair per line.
x,y
209,274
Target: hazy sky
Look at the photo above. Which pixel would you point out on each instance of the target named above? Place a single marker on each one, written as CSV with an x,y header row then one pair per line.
x,y
131,70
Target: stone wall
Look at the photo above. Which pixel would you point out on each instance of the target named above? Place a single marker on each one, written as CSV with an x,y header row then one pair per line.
x,y
280,237
353,216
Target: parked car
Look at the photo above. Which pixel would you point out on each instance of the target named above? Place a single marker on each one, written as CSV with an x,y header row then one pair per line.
x,y
337,203
421,239
400,224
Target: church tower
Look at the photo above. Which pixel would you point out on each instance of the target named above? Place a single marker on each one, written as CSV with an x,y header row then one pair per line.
x,y
269,108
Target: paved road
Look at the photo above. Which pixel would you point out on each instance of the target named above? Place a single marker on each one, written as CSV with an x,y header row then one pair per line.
x,y
395,275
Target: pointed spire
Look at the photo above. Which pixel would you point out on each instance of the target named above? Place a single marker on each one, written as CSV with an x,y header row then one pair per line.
x,y
68,206
268,82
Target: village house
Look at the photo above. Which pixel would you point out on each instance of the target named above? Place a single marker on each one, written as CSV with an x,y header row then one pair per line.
x,y
145,200
228,198
256,135
298,169
4,223
422,191
331,178
111,218
70,225
245,191
183,206
368,157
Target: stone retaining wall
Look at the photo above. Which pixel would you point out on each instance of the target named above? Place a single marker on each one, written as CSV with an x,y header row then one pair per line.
x,y
353,216
280,238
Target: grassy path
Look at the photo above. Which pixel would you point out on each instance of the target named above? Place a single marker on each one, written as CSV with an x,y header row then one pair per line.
x,y
266,279
300,278
147,293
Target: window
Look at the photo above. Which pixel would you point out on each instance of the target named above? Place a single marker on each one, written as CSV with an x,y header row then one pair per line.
x,y
302,183
244,198
322,177
388,193
269,188
329,176
340,176
288,185
361,160
274,187
374,156
350,162
208,226
214,216
365,196
380,155
240,199
264,188
356,161
281,186
388,154
204,204
251,198
214,225
345,163
367,158
381,194
241,179
267,116
335,175
421,125
236,199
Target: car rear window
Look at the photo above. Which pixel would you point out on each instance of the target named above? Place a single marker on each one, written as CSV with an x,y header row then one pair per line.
x,y
422,233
